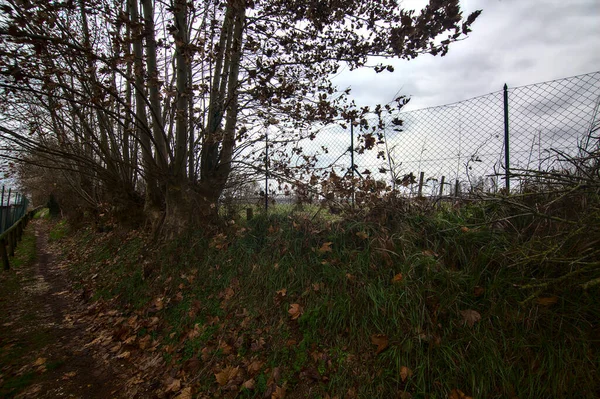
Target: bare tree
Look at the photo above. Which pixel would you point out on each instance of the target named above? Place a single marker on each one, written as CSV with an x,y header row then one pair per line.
x,y
187,88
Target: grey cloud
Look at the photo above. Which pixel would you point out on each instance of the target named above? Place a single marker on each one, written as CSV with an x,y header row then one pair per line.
x,y
515,42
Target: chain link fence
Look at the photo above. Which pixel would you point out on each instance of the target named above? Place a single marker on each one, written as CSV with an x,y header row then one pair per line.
x,y
467,146
12,207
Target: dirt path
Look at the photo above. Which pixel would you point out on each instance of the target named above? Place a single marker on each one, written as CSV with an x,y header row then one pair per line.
x,y
47,333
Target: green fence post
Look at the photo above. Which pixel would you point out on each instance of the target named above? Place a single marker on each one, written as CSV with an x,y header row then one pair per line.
x,y
352,159
506,141
4,254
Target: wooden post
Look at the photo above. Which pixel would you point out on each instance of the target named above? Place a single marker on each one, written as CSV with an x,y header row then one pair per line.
x,y
442,186
421,178
456,188
249,213
11,243
4,255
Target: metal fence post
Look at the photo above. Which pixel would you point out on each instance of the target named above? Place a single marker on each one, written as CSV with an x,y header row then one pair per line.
x,y
266,171
506,141
352,159
2,212
9,213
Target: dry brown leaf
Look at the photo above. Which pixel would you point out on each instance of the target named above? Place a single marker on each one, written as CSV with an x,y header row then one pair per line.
x,y
255,366
295,311
257,345
158,303
362,234
282,292
397,278
464,229
279,393
206,354
381,340
470,316
124,355
249,384
195,332
547,301
186,393
145,342
228,293
405,372
226,375
225,348
458,394
429,252
39,361
326,247
174,385
69,375
478,291
275,376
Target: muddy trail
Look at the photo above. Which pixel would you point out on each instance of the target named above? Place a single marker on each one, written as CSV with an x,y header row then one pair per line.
x,y
52,339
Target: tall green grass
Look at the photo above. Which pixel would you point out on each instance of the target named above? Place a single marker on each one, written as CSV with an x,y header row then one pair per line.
x,y
342,274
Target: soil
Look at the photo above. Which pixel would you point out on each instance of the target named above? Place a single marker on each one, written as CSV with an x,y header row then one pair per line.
x,y
48,336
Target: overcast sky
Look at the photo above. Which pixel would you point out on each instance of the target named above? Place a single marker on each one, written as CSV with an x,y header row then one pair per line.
x,y
517,42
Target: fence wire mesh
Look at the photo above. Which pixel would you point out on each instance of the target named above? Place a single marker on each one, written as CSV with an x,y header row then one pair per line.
x,y
12,207
462,147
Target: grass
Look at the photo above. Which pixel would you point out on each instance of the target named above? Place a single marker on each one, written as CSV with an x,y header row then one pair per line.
x,y
58,231
14,354
228,295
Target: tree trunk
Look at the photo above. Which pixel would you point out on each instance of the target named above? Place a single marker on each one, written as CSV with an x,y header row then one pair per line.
x,y
154,199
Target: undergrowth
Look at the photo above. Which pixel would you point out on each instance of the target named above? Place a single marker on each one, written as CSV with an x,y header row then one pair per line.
x,y
430,303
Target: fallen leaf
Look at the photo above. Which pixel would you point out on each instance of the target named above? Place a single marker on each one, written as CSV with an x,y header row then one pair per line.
x,y
227,374
124,355
478,291
279,393
158,304
381,340
470,316
145,342
257,345
397,278
275,376
464,229
362,234
174,385
249,384
228,293
295,311
186,393
326,247
282,292
225,348
405,372
255,366
40,361
458,394
69,375
547,301
429,252
195,332
205,354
